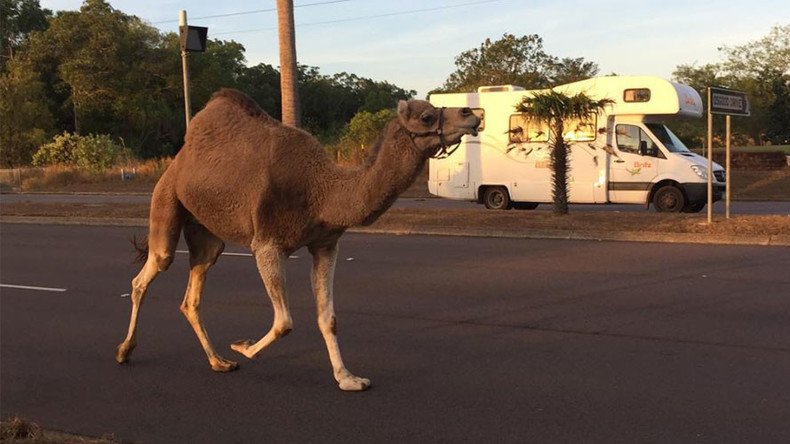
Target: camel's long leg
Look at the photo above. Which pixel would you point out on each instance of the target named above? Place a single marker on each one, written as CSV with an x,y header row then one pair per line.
x,y
271,265
139,288
166,218
204,249
324,259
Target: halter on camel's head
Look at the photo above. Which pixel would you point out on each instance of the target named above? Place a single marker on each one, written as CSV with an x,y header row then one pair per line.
x,y
422,120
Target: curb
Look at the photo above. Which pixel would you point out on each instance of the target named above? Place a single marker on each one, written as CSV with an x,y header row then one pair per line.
x,y
782,240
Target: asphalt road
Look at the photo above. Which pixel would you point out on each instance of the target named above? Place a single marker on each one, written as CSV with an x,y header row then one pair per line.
x,y
465,340
737,207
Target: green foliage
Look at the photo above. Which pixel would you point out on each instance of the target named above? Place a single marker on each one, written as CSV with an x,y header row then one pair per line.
x,y
95,153
18,18
778,123
366,127
26,121
361,133
329,102
758,68
514,60
556,108
105,72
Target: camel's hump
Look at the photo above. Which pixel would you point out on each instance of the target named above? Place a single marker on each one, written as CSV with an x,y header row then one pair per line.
x,y
243,101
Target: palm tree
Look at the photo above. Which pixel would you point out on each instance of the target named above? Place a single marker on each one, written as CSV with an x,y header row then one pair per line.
x,y
289,89
555,109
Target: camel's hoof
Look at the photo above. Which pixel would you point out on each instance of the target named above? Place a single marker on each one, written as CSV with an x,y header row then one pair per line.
x,y
123,352
353,383
242,347
223,365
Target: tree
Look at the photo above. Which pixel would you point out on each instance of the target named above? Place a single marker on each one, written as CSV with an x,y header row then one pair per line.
x,y
288,69
771,52
262,83
778,124
361,132
514,60
18,18
754,68
98,70
26,121
555,109
570,70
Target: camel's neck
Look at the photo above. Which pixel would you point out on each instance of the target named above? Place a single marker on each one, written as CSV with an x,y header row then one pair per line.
x,y
360,198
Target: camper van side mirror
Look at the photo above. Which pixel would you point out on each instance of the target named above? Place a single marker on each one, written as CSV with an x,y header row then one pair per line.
x,y
643,148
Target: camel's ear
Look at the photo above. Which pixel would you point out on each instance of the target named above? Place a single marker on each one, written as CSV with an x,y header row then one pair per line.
x,y
403,110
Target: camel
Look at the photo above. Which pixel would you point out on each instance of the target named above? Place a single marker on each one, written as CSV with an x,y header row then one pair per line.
x,y
244,177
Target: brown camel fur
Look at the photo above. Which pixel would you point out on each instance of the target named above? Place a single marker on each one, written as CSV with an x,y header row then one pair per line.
x,y
243,177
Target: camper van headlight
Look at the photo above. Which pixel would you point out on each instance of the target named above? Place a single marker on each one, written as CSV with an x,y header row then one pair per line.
x,y
701,171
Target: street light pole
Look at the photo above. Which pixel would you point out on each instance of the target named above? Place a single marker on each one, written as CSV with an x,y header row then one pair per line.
x,y
182,23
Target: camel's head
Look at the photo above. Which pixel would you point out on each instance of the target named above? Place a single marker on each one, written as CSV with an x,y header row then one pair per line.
x,y
435,128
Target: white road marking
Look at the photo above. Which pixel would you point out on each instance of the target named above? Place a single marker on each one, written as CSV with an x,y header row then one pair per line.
x,y
28,287
233,254
224,254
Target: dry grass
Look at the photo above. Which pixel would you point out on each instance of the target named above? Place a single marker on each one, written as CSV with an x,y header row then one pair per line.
x,y
588,221
73,179
22,431
746,185
761,185
480,219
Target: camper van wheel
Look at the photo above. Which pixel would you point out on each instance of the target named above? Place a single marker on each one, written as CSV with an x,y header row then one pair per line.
x,y
496,198
669,199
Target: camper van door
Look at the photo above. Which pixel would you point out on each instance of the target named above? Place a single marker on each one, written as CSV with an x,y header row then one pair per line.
x,y
634,165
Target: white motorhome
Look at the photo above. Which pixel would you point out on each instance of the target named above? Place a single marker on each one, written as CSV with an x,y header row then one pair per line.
x,y
625,154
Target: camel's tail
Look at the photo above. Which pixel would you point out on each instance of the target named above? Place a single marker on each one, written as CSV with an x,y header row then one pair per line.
x,y
141,245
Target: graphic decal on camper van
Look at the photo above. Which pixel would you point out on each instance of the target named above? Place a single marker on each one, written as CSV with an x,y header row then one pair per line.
x,y
635,171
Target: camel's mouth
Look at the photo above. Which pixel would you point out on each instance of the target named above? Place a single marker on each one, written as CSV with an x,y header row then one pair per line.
x,y
462,131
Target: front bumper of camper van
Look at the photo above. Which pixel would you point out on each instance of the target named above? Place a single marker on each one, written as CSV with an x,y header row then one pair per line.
x,y
698,192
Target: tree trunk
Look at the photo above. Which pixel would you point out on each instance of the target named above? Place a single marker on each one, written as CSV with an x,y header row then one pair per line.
x,y
76,120
559,168
289,91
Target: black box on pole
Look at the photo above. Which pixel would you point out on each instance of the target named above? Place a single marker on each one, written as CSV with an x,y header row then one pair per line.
x,y
193,38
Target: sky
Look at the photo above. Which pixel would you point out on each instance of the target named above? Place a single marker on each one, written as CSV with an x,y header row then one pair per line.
x,y
413,44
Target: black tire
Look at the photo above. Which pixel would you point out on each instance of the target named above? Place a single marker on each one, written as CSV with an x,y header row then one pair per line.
x,y
496,198
693,208
669,199
524,205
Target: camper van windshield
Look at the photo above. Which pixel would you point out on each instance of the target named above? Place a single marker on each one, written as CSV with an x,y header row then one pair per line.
x,y
667,137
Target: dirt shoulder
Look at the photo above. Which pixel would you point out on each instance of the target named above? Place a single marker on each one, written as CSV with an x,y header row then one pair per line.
x,y
633,226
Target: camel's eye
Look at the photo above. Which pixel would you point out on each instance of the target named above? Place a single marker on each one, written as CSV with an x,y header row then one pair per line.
x,y
426,118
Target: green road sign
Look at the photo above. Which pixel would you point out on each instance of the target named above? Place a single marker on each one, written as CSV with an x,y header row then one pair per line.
x,y
728,101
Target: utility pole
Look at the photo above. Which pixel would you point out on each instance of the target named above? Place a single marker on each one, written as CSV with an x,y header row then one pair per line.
x,y
289,86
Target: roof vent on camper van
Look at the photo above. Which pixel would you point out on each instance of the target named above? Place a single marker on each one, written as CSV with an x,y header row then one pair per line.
x,y
499,88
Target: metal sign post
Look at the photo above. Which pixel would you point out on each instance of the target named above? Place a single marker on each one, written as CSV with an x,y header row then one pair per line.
x,y
727,167
730,103
192,39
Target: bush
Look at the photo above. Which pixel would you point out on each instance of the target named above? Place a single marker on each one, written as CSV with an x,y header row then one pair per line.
x,y
360,133
95,152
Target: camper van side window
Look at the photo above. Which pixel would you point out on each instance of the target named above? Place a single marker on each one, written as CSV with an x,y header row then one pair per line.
x,y
481,113
636,95
580,130
629,138
523,130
